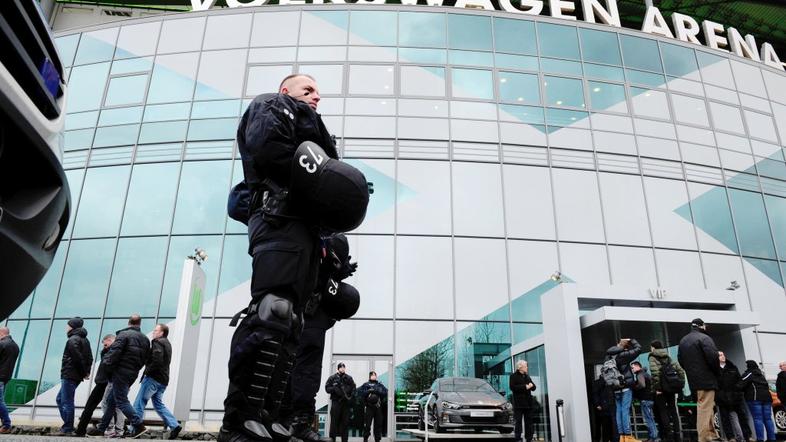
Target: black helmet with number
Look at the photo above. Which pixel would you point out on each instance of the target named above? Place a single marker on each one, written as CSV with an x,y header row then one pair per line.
x,y
343,304
331,193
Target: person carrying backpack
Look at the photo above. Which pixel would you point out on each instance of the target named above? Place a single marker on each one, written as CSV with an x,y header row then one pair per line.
x,y
668,379
622,354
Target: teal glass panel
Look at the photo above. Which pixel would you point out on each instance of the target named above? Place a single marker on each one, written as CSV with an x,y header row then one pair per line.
x,y
101,205
163,132
43,304
607,96
86,87
514,36
54,355
137,276
372,28
151,199
80,120
522,62
519,88
564,117
66,48
126,90
553,66
471,58
524,331
77,139
144,64
179,248
201,202
173,78
751,222
116,135
31,337
776,209
216,129
476,344
469,32
86,278
420,29
679,60
236,265
600,47
472,83
558,41
215,109
711,213
604,72
526,114
641,53
564,92
413,55
122,115
645,78
96,46
165,112
770,268
771,168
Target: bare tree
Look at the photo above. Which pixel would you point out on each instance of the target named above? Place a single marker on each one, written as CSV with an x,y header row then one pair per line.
x,y
419,372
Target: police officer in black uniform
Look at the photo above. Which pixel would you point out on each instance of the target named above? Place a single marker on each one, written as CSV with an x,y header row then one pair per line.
x,y
341,387
373,394
297,191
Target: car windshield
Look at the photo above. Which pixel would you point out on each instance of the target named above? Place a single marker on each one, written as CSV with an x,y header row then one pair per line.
x,y
465,385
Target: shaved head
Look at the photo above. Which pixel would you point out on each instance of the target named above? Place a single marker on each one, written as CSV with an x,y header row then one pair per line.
x,y
301,87
4,331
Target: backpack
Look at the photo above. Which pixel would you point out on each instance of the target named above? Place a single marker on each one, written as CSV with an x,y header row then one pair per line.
x,y
611,374
238,202
671,380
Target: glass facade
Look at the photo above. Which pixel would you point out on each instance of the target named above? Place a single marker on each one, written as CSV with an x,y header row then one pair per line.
x,y
502,149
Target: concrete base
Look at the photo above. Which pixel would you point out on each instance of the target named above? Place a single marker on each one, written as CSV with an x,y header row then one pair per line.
x,y
459,435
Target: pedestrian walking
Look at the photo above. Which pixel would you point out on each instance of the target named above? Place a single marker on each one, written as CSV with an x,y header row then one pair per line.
x,y
75,367
155,380
698,355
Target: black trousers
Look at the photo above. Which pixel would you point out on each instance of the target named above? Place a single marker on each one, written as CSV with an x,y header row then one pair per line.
x,y
525,414
373,413
725,411
93,401
666,417
339,419
605,428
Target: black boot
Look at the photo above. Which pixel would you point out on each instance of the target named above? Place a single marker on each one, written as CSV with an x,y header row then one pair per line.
x,y
301,428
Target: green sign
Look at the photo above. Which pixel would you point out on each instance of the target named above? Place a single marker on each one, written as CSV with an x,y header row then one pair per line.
x,y
195,311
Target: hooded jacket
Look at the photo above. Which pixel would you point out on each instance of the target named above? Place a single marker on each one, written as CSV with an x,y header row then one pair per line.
x,y
624,357
9,352
77,356
729,392
754,384
659,358
127,355
102,376
698,355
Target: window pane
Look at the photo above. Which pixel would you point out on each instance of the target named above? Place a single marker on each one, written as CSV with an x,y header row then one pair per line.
x,y
265,79
372,28
423,278
86,87
751,222
235,270
181,35
201,203
173,78
564,92
86,278
54,355
220,75
46,290
275,29
324,28
412,55
689,110
606,96
679,61
471,58
151,199
558,41
600,46
715,69
213,129
522,62
650,103
472,83
371,80
163,112
137,276
215,109
31,337
66,48
96,46
469,32
776,209
516,36
426,208
578,205
422,360
330,78
137,40
126,90
712,217
116,135
424,81
101,204
519,88
419,29
227,31
123,115
604,72
641,53
163,132
480,268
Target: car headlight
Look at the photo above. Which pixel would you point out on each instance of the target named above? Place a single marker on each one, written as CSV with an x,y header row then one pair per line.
x,y
507,406
450,405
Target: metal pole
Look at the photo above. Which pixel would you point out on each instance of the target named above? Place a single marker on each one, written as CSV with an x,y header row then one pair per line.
x,y
560,419
425,413
648,3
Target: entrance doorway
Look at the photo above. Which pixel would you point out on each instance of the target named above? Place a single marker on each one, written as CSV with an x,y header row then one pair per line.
x,y
359,366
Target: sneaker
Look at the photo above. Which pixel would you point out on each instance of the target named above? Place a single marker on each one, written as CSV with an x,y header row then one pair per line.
x,y
113,434
95,432
61,433
138,431
5,430
175,431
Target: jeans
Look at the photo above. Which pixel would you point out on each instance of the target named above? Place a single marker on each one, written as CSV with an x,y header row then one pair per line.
x,y
119,417
623,399
649,418
152,390
119,399
65,403
762,419
734,421
3,409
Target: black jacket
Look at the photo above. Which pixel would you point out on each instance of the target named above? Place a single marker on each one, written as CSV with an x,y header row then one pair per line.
x,y
77,356
642,390
729,392
270,131
624,357
603,397
127,355
522,397
102,376
158,362
755,385
9,352
780,386
698,355
373,393
340,387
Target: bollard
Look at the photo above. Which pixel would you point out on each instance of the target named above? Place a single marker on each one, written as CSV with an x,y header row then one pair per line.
x,y
561,419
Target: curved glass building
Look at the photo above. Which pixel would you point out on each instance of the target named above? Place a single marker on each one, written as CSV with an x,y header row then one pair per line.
x,y
502,147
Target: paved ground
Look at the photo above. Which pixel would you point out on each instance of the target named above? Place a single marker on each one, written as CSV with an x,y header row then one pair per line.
x,y
19,437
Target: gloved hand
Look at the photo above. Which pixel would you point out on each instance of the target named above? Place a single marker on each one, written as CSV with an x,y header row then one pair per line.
x,y
345,269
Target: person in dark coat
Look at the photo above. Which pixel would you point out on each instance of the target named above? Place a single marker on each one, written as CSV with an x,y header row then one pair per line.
x,y
626,350
665,402
642,391
373,396
780,383
522,387
759,399
698,355
77,360
730,402
9,352
97,393
155,380
126,356
605,411
340,386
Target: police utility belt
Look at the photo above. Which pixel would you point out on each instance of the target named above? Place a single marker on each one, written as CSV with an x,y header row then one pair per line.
x,y
274,202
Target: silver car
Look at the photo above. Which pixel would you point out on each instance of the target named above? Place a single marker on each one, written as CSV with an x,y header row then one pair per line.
x,y
465,403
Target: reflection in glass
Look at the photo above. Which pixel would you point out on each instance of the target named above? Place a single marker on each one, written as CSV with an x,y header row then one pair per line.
x,y
469,32
519,88
137,276
750,219
679,61
86,278
86,87
96,46
776,209
123,115
418,367
163,132
201,202
43,301
137,40
600,46
413,55
220,75
607,96
641,53
481,348
558,41
515,36
564,92
418,29
324,28
521,62
66,48
472,83
372,28
173,78
471,58
116,135
101,204
31,338
151,199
